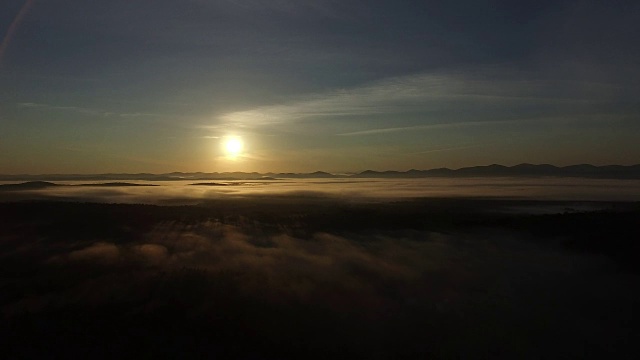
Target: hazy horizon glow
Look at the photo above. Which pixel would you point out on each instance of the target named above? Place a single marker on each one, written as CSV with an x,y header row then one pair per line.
x,y
129,86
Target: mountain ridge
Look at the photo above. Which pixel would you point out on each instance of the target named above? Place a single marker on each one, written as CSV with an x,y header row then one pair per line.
x,y
492,170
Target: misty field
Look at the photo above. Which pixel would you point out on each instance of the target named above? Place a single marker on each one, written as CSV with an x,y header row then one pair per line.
x,y
303,276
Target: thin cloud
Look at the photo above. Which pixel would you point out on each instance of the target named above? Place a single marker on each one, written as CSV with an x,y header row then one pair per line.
x,y
76,109
433,97
426,127
464,124
87,110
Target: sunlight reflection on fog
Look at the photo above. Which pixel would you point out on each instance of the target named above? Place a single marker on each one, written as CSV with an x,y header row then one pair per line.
x,y
183,192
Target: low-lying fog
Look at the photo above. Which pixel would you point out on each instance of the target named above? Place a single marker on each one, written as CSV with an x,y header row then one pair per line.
x,y
320,269
185,192
110,276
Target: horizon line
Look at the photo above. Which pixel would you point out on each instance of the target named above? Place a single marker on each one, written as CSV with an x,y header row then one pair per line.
x,y
317,171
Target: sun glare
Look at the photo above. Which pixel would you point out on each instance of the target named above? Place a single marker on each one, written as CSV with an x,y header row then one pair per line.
x,y
233,146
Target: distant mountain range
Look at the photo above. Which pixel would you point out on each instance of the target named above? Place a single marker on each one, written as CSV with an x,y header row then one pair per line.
x,y
522,170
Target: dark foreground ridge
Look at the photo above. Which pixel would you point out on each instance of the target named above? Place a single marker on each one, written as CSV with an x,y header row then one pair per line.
x,y
287,277
522,170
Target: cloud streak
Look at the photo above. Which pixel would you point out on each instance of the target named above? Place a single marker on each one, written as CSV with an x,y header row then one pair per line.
x,y
444,100
88,111
425,127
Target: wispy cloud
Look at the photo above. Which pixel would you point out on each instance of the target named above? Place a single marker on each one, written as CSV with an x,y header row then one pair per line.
x,y
88,110
77,109
440,100
425,127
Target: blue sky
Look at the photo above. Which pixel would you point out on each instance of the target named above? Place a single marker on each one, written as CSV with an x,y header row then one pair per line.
x,y
158,86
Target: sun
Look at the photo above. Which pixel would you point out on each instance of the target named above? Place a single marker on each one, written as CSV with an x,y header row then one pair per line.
x,y
233,146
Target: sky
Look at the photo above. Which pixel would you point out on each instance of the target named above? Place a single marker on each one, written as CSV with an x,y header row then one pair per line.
x,y
340,86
